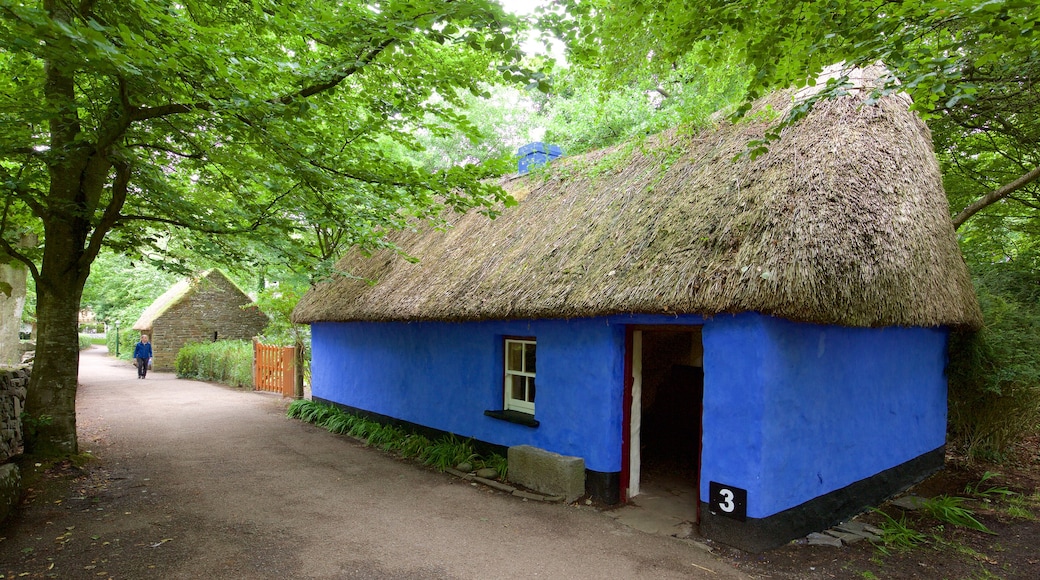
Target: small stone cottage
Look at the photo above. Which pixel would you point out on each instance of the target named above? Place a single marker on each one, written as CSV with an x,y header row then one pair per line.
x,y
771,331
205,308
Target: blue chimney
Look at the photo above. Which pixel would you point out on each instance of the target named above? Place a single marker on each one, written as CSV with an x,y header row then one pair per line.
x,y
537,153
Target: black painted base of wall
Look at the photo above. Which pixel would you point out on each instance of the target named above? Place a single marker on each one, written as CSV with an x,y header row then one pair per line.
x,y
602,487
818,514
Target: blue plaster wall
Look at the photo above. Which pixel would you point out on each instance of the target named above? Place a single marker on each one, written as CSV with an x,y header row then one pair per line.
x,y
445,375
793,411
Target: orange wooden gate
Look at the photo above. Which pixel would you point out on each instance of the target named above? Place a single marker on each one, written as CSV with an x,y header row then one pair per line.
x,y
273,368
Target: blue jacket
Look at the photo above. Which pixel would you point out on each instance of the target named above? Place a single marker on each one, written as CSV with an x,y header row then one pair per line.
x,y
143,350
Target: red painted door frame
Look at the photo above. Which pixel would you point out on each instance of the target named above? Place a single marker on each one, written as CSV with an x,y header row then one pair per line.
x,y
626,418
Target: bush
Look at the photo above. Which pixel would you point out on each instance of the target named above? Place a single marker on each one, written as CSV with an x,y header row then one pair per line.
x,y
85,342
225,361
127,339
994,374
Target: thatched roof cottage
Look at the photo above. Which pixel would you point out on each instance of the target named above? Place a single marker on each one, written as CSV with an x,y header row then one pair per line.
x,y
774,328
203,308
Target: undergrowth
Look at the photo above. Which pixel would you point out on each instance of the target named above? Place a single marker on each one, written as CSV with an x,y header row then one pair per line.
x,y
441,454
225,361
994,374
955,510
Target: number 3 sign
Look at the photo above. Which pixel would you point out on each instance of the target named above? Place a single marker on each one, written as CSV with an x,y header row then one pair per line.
x,y
727,501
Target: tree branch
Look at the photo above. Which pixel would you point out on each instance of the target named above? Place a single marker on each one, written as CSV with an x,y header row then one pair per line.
x,y
995,196
120,186
8,249
145,113
195,227
166,150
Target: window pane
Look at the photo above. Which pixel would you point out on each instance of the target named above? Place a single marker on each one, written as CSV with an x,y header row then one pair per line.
x,y
517,390
530,389
529,358
514,356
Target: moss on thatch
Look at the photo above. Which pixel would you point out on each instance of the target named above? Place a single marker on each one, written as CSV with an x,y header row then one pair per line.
x,y
843,221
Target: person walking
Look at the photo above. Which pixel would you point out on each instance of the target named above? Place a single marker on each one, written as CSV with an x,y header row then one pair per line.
x,y
142,356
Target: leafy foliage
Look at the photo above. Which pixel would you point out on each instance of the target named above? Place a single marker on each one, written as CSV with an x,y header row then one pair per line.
x,y
172,129
994,375
990,491
278,302
120,288
587,109
446,452
951,509
897,534
85,342
971,68
224,361
126,338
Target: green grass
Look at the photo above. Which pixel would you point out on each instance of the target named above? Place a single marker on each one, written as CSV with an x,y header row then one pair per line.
x,y
447,452
950,509
897,534
989,491
443,453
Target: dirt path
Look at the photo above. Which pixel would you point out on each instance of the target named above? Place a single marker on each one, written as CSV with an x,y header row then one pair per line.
x,y
195,480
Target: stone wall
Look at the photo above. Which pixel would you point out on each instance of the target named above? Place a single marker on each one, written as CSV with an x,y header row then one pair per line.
x,y
13,382
213,311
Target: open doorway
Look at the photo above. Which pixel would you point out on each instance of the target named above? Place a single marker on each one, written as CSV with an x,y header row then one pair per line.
x,y
666,392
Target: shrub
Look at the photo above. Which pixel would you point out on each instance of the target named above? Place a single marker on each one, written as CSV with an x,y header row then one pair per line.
x,y
85,342
127,340
225,361
994,374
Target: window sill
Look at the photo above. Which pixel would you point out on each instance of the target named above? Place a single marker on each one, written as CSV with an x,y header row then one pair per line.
x,y
513,417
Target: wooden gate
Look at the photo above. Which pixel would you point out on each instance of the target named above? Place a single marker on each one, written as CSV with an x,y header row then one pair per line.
x,y
273,368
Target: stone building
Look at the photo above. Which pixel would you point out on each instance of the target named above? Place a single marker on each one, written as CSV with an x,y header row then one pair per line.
x,y
205,308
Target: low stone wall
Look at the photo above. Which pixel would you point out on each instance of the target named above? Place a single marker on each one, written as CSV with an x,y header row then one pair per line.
x,y
13,382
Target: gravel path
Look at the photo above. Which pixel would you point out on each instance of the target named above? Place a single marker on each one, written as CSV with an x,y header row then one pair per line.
x,y
196,480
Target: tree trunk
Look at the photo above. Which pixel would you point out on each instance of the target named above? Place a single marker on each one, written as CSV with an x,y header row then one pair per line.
x,y
50,401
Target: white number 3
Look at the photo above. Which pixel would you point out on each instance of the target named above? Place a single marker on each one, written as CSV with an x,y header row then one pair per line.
x,y
726,504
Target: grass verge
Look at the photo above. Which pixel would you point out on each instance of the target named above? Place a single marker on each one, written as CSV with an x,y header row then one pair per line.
x,y
443,453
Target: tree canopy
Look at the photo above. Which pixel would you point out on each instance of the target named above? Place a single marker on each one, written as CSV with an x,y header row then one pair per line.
x,y
224,126
971,67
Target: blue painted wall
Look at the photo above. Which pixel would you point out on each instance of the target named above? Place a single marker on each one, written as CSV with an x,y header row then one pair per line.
x,y
791,411
794,411
445,375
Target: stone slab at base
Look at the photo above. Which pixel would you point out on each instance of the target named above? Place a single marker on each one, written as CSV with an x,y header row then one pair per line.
x,y
547,472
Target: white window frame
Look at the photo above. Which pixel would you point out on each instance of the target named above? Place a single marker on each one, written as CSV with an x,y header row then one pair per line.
x,y
511,404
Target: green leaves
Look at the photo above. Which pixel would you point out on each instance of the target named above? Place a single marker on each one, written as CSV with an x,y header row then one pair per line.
x,y
250,123
970,67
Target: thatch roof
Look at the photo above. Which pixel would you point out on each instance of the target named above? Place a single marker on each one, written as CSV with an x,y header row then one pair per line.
x,y
844,221
178,293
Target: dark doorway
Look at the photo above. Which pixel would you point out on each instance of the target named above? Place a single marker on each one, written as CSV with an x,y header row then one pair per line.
x,y
667,398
